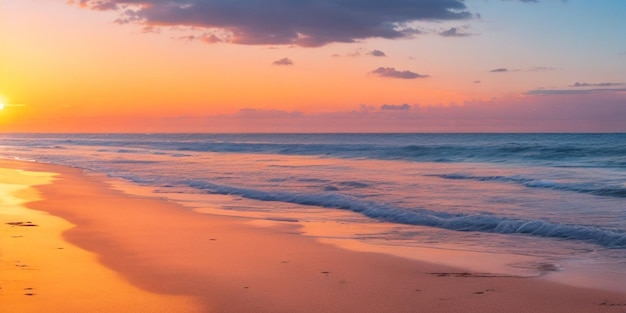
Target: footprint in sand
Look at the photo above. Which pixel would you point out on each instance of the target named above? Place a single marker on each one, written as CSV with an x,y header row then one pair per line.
x,y
19,264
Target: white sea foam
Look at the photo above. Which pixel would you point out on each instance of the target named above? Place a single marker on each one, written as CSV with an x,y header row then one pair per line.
x,y
422,217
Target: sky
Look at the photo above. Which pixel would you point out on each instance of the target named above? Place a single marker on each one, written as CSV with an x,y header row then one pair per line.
x,y
312,66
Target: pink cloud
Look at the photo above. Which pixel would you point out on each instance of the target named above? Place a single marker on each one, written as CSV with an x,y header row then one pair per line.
x,y
532,113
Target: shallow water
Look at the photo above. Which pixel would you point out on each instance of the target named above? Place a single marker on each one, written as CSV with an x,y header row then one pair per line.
x,y
560,198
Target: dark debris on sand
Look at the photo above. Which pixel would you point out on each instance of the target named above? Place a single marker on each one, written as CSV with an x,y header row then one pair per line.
x,y
22,224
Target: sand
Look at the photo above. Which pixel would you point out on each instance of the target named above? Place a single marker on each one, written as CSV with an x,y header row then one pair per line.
x,y
41,272
96,249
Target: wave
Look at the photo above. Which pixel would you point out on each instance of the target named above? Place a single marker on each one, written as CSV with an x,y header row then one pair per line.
x,y
459,222
619,192
578,150
591,156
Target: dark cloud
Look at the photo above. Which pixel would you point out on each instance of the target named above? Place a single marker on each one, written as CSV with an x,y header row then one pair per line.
x,y
283,61
454,32
377,53
394,107
303,22
499,70
574,92
393,73
577,84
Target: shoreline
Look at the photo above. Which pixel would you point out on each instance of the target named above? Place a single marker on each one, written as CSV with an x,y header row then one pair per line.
x,y
226,265
41,272
332,230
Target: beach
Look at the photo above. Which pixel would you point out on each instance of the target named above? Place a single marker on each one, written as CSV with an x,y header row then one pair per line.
x,y
72,243
324,156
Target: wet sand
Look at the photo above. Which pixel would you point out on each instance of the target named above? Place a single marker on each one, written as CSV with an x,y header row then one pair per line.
x,y
96,249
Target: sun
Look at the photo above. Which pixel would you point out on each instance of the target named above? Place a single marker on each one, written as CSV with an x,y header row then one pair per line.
x,y
1,105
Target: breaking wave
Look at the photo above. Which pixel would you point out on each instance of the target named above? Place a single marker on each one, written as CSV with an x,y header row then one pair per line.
x,y
606,191
459,222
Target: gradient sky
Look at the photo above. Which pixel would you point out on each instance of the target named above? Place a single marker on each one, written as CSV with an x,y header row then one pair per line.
x,y
313,66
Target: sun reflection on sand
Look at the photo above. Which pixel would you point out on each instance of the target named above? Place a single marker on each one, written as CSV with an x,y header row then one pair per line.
x,y
41,271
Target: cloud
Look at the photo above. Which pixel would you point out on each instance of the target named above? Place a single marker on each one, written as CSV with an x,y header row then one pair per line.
x,y
541,69
377,53
361,51
283,61
600,112
265,114
574,92
454,32
99,5
303,23
393,73
531,113
530,69
499,70
577,84
393,107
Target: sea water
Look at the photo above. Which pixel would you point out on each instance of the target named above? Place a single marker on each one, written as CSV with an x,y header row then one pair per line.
x,y
558,198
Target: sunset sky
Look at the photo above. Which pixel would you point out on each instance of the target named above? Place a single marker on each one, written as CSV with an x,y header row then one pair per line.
x,y
312,65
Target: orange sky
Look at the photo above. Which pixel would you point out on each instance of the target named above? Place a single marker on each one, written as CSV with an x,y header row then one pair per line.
x,y
72,69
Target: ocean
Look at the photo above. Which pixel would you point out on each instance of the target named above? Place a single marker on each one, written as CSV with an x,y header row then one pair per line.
x,y
559,199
